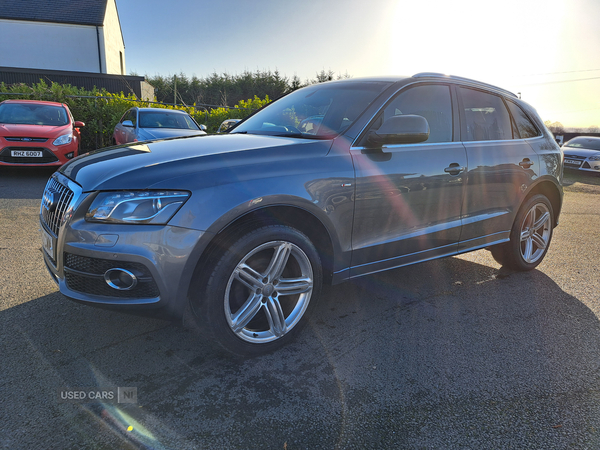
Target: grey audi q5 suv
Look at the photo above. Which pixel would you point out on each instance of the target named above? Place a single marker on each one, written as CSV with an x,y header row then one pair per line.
x,y
337,180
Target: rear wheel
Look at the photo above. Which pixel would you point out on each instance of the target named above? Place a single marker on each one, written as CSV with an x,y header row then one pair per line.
x,y
530,236
260,291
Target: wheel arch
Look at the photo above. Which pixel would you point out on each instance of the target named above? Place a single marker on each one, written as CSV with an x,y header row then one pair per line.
x,y
553,193
292,216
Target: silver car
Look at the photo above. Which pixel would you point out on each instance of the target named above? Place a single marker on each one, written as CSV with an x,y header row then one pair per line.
x,y
582,153
145,124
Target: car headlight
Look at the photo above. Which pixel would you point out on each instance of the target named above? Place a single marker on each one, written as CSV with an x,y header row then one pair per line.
x,y
595,158
64,139
140,207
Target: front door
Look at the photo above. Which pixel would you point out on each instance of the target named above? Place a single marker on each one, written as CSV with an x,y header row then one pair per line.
x,y
408,198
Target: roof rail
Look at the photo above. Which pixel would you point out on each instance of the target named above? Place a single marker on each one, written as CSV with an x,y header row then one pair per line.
x,y
467,80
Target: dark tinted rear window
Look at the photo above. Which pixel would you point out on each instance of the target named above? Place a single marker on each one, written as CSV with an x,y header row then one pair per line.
x,y
524,127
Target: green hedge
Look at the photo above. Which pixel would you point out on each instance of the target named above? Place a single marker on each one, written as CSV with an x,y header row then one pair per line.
x,y
100,110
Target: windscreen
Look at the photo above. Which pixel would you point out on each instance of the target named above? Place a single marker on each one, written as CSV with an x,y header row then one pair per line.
x,y
588,143
33,114
161,119
320,111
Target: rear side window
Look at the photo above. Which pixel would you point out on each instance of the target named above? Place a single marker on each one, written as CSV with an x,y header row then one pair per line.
x,y
523,127
486,116
430,101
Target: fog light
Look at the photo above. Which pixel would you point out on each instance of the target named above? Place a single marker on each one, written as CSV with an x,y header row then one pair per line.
x,y
69,155
120,279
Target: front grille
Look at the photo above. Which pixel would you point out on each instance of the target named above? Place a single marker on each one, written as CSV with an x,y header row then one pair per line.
x,y
55,204
25,139
47,156
86,275
575,157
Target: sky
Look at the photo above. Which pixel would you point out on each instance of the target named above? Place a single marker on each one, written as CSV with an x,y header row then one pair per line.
x,y
546,50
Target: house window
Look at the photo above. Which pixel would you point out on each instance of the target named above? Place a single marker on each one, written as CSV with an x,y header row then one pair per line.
x,y
121,60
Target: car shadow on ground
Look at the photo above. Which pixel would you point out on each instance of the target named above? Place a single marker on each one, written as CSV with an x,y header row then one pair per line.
x,y
444,354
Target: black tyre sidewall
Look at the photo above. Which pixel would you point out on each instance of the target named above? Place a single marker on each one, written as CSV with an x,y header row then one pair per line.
x,y
211,310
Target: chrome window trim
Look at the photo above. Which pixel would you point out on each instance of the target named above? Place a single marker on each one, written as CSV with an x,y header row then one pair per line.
x,y
421,144
418,144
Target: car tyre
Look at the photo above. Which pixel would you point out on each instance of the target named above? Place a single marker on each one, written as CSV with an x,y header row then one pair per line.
x,y
530,236
261,291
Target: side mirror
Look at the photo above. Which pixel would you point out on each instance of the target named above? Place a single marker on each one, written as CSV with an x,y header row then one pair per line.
x,y
78,124
127,123
203,127
403,129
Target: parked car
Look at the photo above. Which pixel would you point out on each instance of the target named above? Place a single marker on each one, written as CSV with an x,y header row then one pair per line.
x,y
582,153
239,231
227,125
37,133
144,124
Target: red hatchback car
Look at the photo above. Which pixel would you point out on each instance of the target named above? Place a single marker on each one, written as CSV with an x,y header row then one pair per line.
x,y
37,133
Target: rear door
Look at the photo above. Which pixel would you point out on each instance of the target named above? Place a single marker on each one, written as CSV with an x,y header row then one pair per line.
x,y
408,198
502,165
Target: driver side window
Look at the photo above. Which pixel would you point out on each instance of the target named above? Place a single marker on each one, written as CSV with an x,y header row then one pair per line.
x,y
431,101
130,115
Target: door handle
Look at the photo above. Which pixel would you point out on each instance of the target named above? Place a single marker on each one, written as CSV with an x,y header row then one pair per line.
x,y
454,169
526,163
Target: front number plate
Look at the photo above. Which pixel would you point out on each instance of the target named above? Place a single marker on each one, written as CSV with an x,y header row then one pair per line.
x,y
25,154
48,244
573,162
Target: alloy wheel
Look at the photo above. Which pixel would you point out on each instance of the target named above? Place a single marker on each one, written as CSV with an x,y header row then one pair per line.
x,y
535,233
268,292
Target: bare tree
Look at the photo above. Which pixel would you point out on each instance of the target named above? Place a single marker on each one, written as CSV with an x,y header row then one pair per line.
x,y
555,127
594,129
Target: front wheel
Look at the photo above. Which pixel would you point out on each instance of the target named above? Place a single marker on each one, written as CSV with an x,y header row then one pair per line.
x,y
530,236
260,291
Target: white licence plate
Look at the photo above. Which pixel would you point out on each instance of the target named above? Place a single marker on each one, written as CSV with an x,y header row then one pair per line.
x,y
26,153
48,243
573,161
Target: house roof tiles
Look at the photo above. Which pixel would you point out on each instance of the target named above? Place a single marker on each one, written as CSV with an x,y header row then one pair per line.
x,y
79,12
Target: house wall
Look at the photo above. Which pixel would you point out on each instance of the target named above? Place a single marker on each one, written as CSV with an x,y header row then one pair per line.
x,y
40,45
113,48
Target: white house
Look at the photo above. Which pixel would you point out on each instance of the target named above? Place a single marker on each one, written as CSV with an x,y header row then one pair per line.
x,y
68,35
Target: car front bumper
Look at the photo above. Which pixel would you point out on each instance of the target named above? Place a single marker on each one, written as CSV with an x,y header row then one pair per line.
x,y
586,164
27,155
82,256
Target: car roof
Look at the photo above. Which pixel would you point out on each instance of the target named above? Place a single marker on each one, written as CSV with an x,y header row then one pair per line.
x,y
423,76
159,109
37,102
